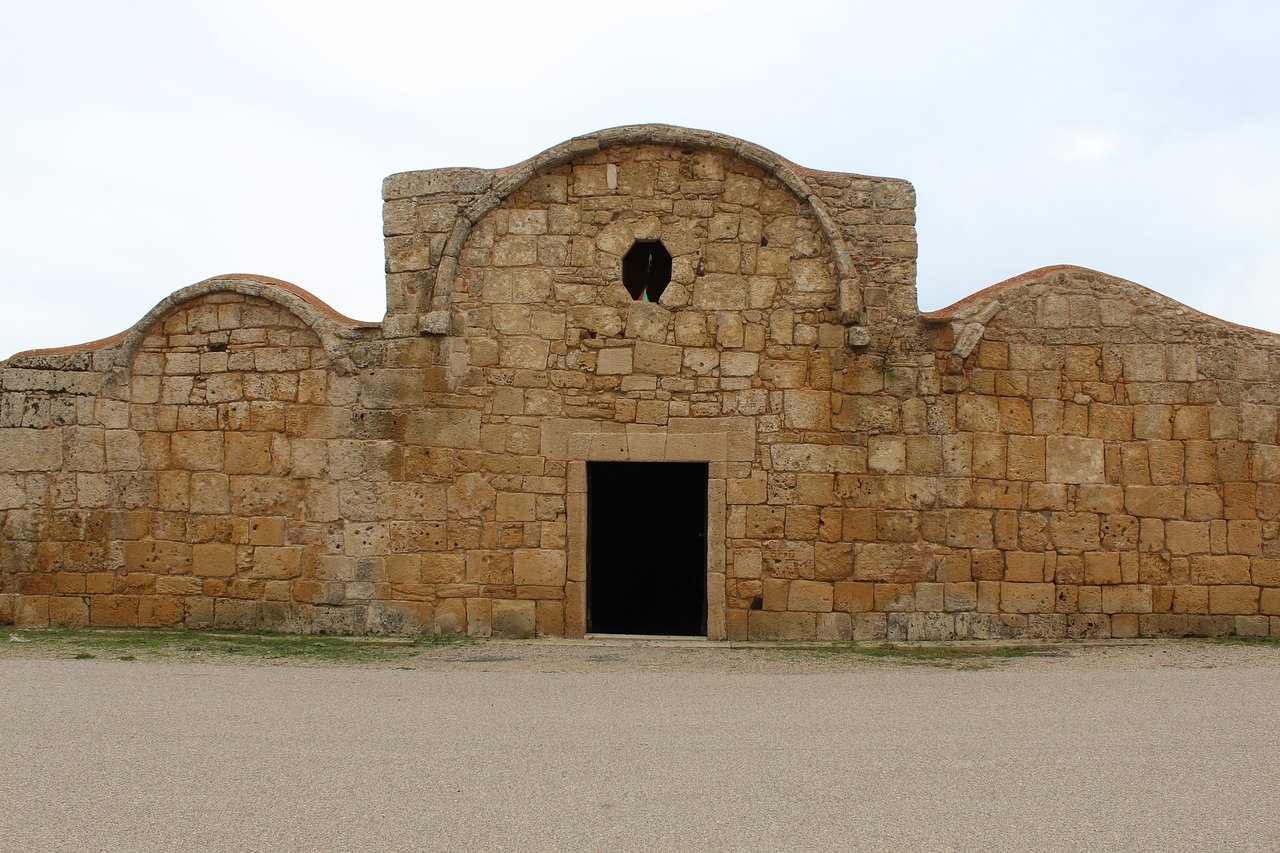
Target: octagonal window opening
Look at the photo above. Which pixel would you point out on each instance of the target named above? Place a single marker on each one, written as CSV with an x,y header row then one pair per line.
x,y
646,270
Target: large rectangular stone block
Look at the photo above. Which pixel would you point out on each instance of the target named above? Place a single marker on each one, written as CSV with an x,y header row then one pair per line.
x,y
658,359
459,428
1072,459
1156,501
541,567
718,291
1233,599
31,449
1027,597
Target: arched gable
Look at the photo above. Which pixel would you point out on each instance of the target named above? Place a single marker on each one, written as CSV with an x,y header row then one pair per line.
x,y
788,174
328,325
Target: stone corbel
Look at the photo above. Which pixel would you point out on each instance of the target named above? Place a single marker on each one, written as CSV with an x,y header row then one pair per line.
x,y
969,330
434,323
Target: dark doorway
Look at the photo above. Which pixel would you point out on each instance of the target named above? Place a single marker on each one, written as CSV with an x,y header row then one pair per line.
x,y
647,548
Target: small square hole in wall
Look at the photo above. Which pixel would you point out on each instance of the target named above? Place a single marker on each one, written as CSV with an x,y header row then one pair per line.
x,y
646,270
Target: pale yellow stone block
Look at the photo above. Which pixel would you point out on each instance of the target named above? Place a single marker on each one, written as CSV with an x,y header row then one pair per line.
x,y
213,559
541,567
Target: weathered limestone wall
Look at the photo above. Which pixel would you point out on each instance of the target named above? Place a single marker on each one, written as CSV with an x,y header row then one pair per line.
x,y
1066,454
184,475
1106,465
735,364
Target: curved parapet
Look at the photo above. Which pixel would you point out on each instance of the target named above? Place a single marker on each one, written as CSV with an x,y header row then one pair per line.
x,y
329,325
510,179
1116,303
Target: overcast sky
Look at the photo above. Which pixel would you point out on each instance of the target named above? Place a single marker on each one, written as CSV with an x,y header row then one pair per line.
x,y
147,146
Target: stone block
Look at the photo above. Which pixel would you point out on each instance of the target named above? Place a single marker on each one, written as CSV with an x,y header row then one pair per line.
x,y
541,567
887,454
276,562
210,493
763,624
751,490
1126,598
1071,459
1125,626
1183,538
970,528
739,363
1152,422
929,597
550,619
523,352
869,626
513,506
898,563
961,596
1265,571
157,556
1102,567
213,559
443,567
834,627
1027,597
1088,626
895,597
807,409
658,359
1220,569
246,453
113,611
720,292
812,596
1244,536
457,428
1155,501
975,413
648,321
1233,599
853,596
1025,457
832,561
196,451
160,611
615,361
1114,423
765,522
1024,566
67,611
267,531
514,618
179,586
1144,363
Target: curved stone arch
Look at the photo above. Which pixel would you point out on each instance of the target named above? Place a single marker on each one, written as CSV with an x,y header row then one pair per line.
x,y
970,316
327,324
848,285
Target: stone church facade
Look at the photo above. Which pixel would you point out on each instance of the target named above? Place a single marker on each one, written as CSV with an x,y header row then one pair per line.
x,y
772,441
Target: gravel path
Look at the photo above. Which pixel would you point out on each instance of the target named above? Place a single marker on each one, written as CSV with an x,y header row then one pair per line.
x,y
601,745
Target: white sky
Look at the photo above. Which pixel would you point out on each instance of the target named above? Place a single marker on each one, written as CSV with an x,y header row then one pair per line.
x,y
149,145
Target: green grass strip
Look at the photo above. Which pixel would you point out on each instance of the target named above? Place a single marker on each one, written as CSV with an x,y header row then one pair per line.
x,y
131,644
932,654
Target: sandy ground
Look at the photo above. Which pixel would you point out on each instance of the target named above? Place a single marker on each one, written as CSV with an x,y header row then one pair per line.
x,y
605,745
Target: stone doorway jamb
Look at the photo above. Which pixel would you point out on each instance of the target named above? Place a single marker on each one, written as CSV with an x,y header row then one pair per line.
x,y
715,442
